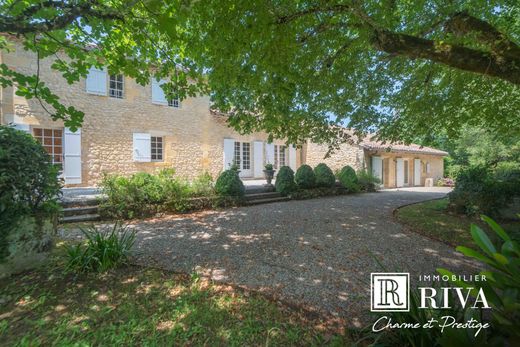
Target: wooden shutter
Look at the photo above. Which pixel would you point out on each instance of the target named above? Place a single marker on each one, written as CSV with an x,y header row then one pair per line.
x,y
229,151
22,127
158,96
142,147
292,157
258,157
377,168
269,153
72,156
399,163
96,82
417,172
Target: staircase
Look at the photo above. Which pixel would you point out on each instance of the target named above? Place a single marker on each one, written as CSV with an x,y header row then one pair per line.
x,y
80,211
264,198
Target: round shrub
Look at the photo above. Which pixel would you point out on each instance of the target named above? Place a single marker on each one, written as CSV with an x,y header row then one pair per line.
x,y
305,177
229,184
285,181
29,188
324,176
348,178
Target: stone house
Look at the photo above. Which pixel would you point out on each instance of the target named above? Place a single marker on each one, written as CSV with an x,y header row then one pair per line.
x,y
129,128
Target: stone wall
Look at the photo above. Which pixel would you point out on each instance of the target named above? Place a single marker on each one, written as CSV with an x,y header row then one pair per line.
x,y
193,137
346,155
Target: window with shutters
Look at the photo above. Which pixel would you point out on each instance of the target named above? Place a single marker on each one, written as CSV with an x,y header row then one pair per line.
x,y
279,156
52,142
175,102
157,148
116,86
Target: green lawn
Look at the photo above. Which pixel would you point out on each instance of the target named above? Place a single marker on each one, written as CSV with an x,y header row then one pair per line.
x,y
433,219
136,306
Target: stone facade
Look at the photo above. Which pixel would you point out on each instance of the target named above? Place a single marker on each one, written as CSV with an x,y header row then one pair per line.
x,y
346,155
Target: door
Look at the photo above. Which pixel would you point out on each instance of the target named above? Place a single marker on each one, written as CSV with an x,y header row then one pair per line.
x,y
417,172
242,158
377,168
72,156
399,168
406,172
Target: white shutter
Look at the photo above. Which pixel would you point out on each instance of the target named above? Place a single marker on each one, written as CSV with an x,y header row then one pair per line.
x,y
142,147
269,153
258,156
399,172
158,96
97,81
417,172
377,168
292,157
22,127
72,156
229,151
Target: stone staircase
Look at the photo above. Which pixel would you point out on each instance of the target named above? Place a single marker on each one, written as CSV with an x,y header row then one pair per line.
x,y
264,198
80,211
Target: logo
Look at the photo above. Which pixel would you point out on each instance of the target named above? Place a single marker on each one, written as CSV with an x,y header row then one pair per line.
x,y
390,292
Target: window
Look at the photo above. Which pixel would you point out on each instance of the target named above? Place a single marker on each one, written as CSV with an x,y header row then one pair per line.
x,y
157,148
236,156
279,156
246,156
115,89
175,102
52,142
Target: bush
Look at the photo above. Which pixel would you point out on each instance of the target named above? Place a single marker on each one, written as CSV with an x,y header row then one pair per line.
x,y
367,181
229,184
315,193
445,182
284,183
508,174
348,178
144,194
104,249
29,185
305,177
477,191
324,176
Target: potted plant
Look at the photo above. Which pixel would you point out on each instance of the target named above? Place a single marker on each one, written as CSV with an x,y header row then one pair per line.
x,y
268,173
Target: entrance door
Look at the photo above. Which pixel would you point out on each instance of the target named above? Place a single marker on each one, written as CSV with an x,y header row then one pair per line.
x,y
399,168
406,173
242,158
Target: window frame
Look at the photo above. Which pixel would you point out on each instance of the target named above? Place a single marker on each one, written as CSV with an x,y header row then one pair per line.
x,y
41,139
122,83
154,147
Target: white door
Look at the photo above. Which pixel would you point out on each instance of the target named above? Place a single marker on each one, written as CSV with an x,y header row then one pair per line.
x,y
258,157
242,158
72,156
406,164
399,168
417,172
292,157
377,168
229,153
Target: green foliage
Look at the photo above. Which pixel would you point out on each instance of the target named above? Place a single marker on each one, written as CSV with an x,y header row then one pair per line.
x,y
284,183
268,166
348,178
502,287
29,184
367,181
104,249
145,194
477,191
305,177
324,176
312,193
229,184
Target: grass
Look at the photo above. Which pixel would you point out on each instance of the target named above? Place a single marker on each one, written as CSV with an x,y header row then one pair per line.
x,y
146,307
435,220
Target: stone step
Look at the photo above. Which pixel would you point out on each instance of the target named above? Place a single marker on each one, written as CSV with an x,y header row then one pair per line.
x,y
79,211
268,200
79,203
257,196
259,189
80,218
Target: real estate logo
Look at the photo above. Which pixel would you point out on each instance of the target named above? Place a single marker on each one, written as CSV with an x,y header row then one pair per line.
x,y
390,292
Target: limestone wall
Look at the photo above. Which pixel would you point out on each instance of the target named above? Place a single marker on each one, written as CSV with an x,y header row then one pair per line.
x,y
347,155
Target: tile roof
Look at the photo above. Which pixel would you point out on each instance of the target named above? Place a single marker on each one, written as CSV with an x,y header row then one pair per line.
x,y
372,144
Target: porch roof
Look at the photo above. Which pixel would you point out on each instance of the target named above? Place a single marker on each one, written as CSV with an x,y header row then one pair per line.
x,y
371,144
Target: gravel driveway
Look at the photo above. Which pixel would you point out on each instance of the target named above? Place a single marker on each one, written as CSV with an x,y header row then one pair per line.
x,y
316,253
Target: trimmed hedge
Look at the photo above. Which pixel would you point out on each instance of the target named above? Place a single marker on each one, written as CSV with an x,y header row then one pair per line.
x,y
348,178
284,183
324,176
305,177
229,184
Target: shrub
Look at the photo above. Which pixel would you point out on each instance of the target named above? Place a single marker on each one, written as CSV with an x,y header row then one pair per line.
x,y
104,249
324,176
305,177
348,178
445,182
29,184
229,184
477,191
203,185
315,193
367,181
284,183
508,174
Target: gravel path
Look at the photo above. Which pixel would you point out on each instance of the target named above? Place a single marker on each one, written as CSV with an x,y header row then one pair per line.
x,y
317,253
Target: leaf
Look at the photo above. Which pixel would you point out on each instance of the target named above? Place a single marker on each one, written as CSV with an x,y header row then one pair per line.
x,y
497,228
482,240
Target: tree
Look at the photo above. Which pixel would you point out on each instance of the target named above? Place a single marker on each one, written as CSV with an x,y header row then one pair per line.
x,y
295,69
